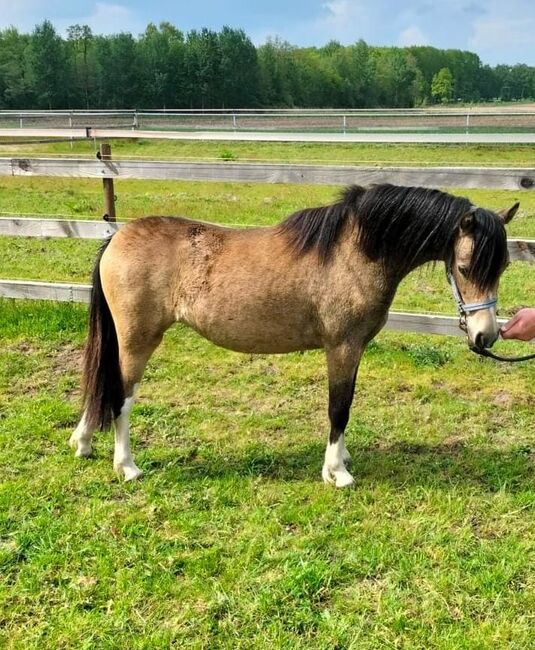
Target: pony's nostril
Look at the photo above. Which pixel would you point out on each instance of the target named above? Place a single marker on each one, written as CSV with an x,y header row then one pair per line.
x,y
480,340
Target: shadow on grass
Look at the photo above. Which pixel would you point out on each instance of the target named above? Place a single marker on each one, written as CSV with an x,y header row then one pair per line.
x,y
397,464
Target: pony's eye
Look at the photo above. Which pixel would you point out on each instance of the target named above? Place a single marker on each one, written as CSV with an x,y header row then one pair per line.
x,y
463,270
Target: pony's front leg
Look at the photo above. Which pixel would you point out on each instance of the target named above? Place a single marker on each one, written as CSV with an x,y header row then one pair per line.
x,y
342,364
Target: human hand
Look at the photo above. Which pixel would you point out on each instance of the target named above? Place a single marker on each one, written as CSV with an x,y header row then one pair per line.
x,y
521,326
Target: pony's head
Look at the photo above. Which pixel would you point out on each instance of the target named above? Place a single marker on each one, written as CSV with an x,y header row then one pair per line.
x,y
477,259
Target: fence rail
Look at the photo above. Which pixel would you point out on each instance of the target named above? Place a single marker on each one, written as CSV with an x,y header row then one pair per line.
x,y
506,178
26,226
512,117
80,293
459,177
256,135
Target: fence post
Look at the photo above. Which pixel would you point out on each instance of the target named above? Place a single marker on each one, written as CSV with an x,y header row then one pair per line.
x,y
107,184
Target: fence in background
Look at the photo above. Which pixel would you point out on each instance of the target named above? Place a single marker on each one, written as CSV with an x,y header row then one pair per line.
x,y
512,124
266,135
108,170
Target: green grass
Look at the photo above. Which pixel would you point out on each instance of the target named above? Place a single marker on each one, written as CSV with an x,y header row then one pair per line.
x,y
335,153
230,540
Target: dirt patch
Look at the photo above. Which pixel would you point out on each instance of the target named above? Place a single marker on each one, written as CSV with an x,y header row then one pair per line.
x,y
502,398
69,358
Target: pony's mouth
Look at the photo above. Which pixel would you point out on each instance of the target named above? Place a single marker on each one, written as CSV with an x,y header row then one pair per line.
x,y
484,341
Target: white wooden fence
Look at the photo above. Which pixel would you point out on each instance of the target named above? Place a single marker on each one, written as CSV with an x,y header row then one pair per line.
x,y
258,135
432,124
15,225
501,178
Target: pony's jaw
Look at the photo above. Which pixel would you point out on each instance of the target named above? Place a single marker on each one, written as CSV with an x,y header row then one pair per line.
x,y
482,328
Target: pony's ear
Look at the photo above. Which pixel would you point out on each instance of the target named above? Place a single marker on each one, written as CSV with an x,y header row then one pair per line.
x,y
507,215
467,223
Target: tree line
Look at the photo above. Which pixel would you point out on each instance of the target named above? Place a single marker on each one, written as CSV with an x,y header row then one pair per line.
x,y
166,68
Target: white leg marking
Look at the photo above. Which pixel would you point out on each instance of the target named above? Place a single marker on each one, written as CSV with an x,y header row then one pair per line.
x,y
334,470
122,456
81,439
346,456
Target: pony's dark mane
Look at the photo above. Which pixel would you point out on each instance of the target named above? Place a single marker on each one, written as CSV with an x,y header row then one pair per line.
x,y
404,226
320,228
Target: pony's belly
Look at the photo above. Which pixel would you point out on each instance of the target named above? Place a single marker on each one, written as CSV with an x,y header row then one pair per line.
x,y
259,345
255,335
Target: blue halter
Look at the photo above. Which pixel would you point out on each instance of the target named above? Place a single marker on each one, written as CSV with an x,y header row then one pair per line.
x,y
464,307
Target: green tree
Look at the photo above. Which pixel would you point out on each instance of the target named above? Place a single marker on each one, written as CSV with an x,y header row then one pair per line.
x,y
395,76
429,60
277,73
207,69
465,68
239,68
47,67
119,79
203,69
442,86
83,62
161,56
15,91
355,70
521,81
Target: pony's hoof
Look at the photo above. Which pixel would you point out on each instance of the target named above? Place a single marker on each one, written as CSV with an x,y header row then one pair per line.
x,y
81,449
326,476
339,478
129,472
343,479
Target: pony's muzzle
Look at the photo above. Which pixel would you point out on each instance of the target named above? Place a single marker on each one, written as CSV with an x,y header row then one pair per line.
x,y
484,340
482,328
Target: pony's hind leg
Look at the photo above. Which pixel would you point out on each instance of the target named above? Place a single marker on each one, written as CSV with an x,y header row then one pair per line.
x,y
133,360
123,462
82,438
132,367
342,365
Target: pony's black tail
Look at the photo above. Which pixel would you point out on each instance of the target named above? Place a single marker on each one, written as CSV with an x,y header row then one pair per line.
x,y
103,391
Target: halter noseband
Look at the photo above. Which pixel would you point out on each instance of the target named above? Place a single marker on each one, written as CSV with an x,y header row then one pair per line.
x,y
466,308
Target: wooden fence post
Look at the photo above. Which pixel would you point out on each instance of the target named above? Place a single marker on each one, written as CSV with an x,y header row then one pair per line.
x,y
107,183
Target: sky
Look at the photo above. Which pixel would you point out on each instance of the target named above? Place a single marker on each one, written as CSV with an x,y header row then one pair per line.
x,y
500,31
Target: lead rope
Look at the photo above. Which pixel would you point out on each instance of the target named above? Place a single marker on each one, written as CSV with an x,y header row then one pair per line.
x,y
484,352
465,309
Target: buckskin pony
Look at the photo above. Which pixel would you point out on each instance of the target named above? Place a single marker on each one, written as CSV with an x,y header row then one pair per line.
x,y
323,278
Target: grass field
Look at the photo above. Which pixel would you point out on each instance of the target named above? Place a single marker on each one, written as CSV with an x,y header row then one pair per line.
x,y
230,540
351,153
